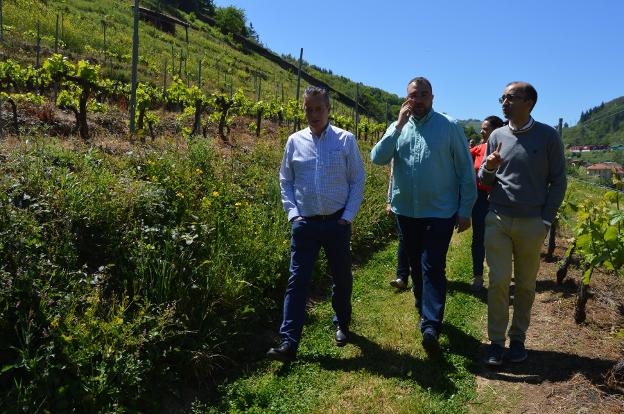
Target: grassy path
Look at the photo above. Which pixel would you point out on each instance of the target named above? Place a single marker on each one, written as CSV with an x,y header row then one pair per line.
x,y
384,369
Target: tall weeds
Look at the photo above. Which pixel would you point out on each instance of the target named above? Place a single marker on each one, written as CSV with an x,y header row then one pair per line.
x,y
121,275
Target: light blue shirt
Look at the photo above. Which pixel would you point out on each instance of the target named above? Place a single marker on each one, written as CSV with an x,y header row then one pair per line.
x,y
321,175
433,173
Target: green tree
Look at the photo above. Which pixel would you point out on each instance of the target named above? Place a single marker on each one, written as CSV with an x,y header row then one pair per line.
x,y
205,7
233,19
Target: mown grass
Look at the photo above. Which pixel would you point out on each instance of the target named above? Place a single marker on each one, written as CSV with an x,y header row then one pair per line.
x,y
385,369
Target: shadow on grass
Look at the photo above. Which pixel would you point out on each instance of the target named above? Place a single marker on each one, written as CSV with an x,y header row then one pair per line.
x,y
464,287
551,366
432,373
428,373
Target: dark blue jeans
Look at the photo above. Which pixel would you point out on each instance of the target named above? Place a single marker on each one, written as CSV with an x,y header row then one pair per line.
x,y
479,211
426,241
403,263
307,238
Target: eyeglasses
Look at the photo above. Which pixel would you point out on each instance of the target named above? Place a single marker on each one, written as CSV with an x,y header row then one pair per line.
x,y
510,98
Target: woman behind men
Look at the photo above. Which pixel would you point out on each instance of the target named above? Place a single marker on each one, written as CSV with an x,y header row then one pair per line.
x,y
480,209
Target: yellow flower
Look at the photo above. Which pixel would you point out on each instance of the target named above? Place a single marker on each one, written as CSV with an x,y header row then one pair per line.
x,y
179,194
215,194
199,171
237,205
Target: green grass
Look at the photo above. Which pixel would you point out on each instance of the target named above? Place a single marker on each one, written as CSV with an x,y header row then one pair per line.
x,y
385,369
124,276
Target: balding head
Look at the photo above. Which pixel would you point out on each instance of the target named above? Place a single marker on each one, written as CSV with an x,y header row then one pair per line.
x,y
527,90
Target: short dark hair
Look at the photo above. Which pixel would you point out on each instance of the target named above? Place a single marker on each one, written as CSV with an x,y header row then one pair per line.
x,y
495,121
528,90
420,79
316,90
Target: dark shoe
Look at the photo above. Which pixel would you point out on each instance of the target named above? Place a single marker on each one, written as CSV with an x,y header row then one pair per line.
x,y
285,352
517,352
399,284
477,284
430,342
342,336
495,355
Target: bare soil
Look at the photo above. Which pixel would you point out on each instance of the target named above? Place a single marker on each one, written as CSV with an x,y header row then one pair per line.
x,y
568,363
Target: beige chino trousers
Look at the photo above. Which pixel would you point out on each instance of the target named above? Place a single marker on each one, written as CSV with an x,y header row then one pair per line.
x,y
519,241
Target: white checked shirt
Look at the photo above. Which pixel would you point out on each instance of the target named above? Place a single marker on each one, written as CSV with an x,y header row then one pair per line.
x,y
321,175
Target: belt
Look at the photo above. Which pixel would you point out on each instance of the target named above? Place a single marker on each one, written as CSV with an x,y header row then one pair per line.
x,y
324,217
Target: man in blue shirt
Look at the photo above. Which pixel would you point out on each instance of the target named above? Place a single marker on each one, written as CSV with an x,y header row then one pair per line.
x,y
433,191
322,184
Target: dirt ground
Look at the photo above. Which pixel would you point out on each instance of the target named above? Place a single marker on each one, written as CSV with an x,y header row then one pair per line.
x,y
567,364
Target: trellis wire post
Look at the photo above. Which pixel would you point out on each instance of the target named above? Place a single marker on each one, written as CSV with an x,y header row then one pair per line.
x,y
386,121
199,74
172,62
135,59
1,23
552,230
56,34
357,109
165,81
180,67
38,44
186,75
296,123
104,32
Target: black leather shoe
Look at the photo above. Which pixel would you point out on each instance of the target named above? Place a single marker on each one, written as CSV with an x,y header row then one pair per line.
x,y
284,352
430,342
342,336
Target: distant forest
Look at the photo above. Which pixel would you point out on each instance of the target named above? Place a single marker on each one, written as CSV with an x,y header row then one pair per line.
x,y
602,124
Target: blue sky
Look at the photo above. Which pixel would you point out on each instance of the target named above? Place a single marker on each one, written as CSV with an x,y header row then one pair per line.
x,y
571,51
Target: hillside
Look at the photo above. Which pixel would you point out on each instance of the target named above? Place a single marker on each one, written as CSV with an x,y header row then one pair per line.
x,y
226,63
603,124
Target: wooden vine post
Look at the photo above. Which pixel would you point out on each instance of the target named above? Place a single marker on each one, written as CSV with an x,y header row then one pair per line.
x,y
135,60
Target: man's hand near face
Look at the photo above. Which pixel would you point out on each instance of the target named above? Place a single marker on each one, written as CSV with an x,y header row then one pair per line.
x,y
404,114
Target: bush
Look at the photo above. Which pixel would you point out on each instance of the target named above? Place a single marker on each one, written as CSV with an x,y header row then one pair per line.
x,y
124,274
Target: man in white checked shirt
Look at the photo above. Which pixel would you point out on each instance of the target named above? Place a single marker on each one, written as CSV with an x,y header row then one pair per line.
x,y
322,184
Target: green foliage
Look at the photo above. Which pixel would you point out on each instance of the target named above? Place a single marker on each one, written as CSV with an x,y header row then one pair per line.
x,y
22,97
233,19
599,232
58,67
471,133
603,124
123,275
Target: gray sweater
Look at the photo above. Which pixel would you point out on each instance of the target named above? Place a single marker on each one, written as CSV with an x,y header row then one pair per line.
x,y
531,181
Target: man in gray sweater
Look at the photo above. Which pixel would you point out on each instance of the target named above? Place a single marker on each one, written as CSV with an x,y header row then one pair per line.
x,y
524,163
